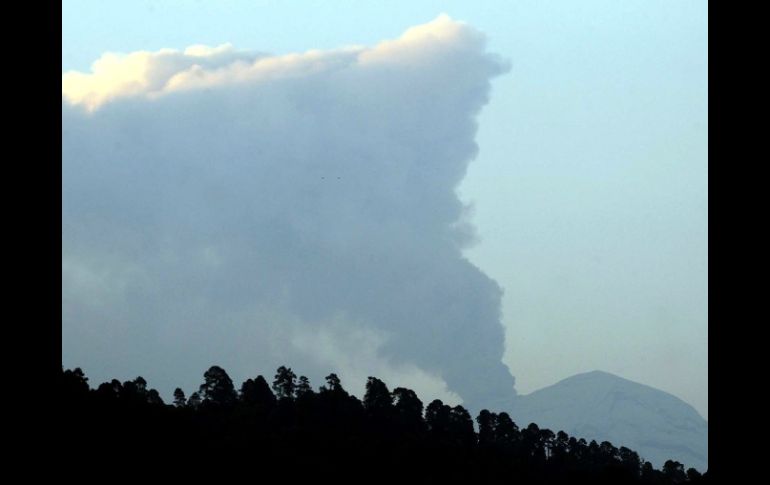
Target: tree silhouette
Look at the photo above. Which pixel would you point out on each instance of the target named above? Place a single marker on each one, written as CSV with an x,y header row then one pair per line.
x,y
674,471
630,460
217,387
179,398
437,419
74,382
153,397
377,400
248,392
332,383
487,422
110,390
256,392
506,430
461,426
194,401
408,408
648,472
263,395
140,385
303,387
135,390
285,383
693,475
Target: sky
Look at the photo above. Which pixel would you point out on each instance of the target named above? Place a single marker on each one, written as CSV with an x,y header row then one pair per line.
x,y
578,149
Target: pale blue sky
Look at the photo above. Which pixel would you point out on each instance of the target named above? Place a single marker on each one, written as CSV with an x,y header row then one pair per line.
x,y
590,188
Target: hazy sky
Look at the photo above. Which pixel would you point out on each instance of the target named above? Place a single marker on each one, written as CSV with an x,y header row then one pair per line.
x,y
589,187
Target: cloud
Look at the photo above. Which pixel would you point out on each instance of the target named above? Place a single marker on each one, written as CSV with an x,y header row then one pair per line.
x,y
228,207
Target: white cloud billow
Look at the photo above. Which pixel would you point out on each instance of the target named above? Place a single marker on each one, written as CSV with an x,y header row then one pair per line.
x,y
232,208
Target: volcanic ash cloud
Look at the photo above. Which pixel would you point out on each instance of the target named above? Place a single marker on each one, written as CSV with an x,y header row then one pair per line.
x,y
248,210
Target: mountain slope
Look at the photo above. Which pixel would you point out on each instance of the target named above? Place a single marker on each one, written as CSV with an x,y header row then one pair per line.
x,y
604,407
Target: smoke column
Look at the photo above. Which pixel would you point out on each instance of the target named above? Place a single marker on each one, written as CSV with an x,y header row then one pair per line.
x,y
247,210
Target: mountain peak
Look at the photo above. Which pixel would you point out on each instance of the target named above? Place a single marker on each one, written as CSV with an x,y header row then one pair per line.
x,y
602,406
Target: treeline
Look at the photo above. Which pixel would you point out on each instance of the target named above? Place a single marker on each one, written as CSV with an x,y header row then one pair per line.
x,y
292,433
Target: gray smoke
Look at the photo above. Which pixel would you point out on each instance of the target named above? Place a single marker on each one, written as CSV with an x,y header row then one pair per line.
x,y
231,208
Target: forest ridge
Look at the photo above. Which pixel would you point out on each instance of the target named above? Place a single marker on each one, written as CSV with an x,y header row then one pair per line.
x,y
288,423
